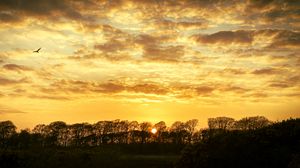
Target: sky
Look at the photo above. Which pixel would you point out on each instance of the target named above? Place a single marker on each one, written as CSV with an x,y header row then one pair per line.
x,y
148,60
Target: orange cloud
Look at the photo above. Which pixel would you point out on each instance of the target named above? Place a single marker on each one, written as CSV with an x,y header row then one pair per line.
x,y
266,71
6,81
15,67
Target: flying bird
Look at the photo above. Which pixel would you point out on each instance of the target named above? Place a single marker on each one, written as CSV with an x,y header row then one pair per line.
x,y
37,51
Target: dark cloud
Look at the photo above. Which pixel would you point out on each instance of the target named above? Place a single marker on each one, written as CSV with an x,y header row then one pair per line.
x,y
204,90
18,91
272,12
286,38
149,89
112,56
6,81
168,24
78,87
109,88
165,54
148,40
293,95
266,71
249,11
153,48
15,67
280,38
233,71
81,87
287,82
112,46
294,79
280,85
7,17
226,37
19,9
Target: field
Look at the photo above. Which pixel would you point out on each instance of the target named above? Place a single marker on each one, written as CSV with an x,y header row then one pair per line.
x,y
110,156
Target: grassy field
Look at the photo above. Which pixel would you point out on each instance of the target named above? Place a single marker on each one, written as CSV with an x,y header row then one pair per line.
x,y
107,157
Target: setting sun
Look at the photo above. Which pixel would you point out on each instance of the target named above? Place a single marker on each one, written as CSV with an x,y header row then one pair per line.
x,y
153,130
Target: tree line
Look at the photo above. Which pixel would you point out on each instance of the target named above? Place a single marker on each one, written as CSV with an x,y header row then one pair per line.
x,y
276,145
59,133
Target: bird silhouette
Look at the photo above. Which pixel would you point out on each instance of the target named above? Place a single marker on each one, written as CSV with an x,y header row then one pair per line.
x,y
37,51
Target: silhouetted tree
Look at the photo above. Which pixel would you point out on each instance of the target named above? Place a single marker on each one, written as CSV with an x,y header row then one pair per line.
x,y
251,123
7,129
81,133
221,123
24,139
133,128
161,128
190,127
40,133
99,132
145,131
55,128
178,132
276,146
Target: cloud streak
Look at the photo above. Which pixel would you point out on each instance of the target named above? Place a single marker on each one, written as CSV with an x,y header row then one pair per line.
x,y
7,110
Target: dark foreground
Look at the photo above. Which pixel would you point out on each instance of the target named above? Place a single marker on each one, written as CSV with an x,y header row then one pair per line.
x,y
273,146
107,156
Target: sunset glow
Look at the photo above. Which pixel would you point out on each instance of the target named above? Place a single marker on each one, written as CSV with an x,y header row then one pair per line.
x,y
148,60
153,130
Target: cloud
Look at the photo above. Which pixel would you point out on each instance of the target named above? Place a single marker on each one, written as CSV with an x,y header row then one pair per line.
x,y
226,37
259,95
17,10
51,97
165,54
112,46
233,71
149,89
279,85
294,79
8,110
15,67
289,81
168,14
9,18
168,24
204,90
266,71
286,38
85,87
6,81
235,89
293,95
109,88
189,42
152,49
273,11
279,38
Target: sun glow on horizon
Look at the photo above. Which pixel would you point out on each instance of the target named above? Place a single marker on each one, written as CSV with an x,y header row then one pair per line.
x,y
153,130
